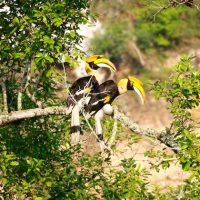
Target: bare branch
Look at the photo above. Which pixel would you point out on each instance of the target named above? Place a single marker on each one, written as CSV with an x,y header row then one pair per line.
x,y
163,137
30,113
19,100
32,96
174,3
5,102
39,78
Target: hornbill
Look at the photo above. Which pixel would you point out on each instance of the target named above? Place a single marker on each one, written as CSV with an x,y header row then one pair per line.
x,y
82,88
100,101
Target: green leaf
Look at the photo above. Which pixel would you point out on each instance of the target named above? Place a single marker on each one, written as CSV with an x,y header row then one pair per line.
x,y
18,55
48,58
186,165
49,184
57,21
16,20
165,164
14,163
38,55
72,34
38,198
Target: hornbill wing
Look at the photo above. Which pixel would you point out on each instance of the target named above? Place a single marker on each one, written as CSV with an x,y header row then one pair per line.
x,y
104,94
78,91
79,88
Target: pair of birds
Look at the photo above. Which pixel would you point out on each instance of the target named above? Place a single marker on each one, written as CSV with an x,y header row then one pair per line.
x,y
95,99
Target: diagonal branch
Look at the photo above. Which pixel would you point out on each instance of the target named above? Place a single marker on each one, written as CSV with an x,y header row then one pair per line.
x,y
163,136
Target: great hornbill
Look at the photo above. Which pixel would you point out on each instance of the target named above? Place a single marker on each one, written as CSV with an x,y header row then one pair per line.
x,y
100,101
82,88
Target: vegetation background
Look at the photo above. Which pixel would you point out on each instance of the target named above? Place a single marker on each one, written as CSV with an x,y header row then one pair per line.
x,y
40,40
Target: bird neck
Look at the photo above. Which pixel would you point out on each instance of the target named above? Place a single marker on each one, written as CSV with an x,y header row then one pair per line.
x,y
94,73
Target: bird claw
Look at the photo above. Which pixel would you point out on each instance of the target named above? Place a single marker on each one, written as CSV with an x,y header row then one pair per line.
x,y
104,148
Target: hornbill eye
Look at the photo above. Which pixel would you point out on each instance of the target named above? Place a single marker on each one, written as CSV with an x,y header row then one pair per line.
x,y
93,66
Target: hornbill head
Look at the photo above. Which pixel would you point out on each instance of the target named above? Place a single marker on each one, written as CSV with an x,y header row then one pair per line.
x,y
132,83
98,61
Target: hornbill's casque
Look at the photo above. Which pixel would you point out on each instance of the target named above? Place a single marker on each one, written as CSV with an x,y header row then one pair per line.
x,y
82,88
100,101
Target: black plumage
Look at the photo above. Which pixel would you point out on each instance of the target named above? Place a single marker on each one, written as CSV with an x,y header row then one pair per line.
x,y
104,94
79,89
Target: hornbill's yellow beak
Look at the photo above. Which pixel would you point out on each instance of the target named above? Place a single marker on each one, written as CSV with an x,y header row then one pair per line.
x,y
97,61
137,86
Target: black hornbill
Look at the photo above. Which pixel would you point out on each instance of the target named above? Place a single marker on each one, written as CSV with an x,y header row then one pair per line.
x,y
82,88
100,101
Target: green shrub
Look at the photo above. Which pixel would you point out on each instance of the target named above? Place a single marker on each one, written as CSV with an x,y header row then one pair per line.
x,y
181,90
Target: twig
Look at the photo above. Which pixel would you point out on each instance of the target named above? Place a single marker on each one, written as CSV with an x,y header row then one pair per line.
x,y
173,3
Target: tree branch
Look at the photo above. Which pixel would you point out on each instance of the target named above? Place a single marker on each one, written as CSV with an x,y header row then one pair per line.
x,y
138,52
5,102
30,113
33,99
25,79
163,136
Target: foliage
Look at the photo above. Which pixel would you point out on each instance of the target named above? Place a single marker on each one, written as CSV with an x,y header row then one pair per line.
x,y
36,160
164,32
35,37
165,29
37,163
181,90
44,29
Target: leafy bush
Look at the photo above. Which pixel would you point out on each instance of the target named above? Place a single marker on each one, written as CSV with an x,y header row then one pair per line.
x,y
36,162
181,90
